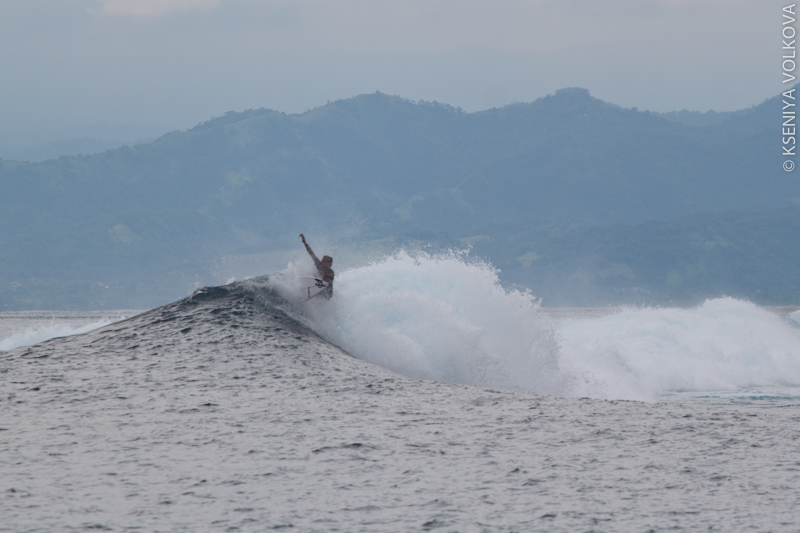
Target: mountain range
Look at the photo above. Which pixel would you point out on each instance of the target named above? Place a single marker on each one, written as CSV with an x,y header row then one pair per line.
x,y
580,200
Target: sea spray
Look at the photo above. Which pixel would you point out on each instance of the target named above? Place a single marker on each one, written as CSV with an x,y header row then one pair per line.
x,y
41,333
440,317
447,317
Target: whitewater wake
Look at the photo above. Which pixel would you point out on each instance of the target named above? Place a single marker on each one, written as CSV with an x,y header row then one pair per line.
x,y
448,318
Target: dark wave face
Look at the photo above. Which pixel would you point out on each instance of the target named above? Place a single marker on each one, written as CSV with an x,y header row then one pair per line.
x,y
222,412
242,319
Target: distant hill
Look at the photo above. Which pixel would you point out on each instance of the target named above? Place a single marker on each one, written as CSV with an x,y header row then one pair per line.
x,y
158,217
80,140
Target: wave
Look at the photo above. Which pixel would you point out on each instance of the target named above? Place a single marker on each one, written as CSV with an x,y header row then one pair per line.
x,y
448,318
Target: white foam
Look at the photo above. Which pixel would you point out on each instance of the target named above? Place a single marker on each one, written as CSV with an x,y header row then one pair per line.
x,y
438,317
447,318
36,334
723,345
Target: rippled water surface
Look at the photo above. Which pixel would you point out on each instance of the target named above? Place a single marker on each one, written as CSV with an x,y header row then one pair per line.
x,y
223,412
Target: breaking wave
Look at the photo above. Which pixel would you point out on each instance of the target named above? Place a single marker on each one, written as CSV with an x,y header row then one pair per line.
x,y
447,318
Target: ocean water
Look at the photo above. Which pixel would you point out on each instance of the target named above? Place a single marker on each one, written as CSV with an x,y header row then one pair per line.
x,y
405,403
446,318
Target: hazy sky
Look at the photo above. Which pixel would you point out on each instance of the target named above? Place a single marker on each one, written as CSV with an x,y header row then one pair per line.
x,y
174,63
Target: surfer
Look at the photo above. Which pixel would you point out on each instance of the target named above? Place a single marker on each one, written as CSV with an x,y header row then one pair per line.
x,y
323,267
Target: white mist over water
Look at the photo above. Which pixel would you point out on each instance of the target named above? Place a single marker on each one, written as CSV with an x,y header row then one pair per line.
x,y
447,318
41,333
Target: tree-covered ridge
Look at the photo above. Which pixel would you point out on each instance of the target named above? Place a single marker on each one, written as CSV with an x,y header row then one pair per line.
x,y
377,166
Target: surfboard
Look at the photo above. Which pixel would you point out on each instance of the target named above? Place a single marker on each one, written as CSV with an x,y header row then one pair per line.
x,y
312,286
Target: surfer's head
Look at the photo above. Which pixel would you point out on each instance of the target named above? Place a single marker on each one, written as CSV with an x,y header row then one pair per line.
x,y
327,260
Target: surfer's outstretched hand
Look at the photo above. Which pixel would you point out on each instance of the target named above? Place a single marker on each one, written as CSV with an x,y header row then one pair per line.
x,y
303,238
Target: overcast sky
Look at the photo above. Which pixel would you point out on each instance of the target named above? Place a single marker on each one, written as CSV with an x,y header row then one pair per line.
x,y
173,63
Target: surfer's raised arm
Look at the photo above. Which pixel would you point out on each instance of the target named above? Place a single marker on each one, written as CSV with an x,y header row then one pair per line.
x,y
310,251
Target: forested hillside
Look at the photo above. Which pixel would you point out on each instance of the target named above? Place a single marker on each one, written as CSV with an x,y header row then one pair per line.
x,y
579,199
